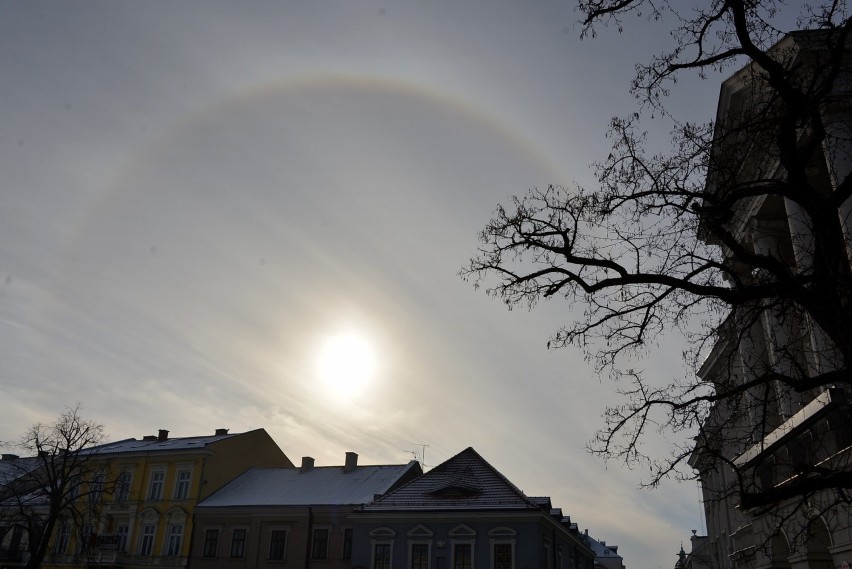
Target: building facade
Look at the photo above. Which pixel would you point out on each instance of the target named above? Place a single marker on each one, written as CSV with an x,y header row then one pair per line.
x,y
136,507
269,518
775,435
464,514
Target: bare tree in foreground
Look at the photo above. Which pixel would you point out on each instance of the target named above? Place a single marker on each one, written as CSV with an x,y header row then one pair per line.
x,y
50,487
738,238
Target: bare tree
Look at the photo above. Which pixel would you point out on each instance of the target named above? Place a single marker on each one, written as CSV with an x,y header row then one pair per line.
x,y
54,486
738,237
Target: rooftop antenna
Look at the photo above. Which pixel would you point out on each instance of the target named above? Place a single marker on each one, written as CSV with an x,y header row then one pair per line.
x,y
422,458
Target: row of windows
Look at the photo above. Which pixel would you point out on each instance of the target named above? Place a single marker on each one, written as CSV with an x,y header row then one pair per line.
x,y
277,543
502,555
156,485
174,539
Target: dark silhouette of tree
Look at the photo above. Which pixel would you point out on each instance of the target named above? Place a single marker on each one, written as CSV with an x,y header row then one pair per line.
x,y
738,238
57,484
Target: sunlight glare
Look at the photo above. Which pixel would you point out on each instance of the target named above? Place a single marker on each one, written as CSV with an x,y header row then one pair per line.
x,y
346,363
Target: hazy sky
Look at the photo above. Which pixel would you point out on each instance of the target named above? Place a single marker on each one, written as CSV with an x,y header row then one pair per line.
x,y
195,196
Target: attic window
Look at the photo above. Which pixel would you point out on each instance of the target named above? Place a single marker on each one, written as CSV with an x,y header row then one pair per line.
x,y
455,491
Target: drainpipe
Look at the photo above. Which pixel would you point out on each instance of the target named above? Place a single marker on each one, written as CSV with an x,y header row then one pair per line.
x,y
310,538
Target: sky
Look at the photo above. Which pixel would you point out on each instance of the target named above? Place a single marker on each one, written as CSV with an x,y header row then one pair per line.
x,y
198,196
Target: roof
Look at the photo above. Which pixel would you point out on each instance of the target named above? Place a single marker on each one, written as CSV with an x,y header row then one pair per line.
x,y
320,485
156,445
464,482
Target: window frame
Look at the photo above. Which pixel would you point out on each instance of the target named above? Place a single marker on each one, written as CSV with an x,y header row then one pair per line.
x,y
314,542
207,541
462,534
346,550
60,546
382,536
173,538
272,543
146,539
122,486
235,541
156,483
182,487
502,537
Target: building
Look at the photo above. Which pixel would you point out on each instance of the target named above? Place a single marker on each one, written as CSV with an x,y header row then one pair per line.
x,y
464,514
606,556
136,505
267,518
775,436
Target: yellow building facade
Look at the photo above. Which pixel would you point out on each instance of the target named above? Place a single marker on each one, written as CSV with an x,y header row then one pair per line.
x,y
138,509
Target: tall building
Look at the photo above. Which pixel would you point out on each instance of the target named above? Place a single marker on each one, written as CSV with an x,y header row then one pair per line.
x,y
758,450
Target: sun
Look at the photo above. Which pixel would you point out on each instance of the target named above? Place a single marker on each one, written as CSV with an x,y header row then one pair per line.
x,y
346,362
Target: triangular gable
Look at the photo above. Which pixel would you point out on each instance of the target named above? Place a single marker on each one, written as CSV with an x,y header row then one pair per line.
x,y
464,482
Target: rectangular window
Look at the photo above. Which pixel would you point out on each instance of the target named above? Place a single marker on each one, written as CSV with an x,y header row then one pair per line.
x,y
278,545
62,539
85,537
347,543
96,489
419,556
502,556
238,543
381,556
211,543
147,545
462,556
319,544
122,487
155,492
175,535
122,531
182,486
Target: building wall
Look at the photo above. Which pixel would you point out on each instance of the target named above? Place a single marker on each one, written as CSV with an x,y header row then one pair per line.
x,y
152,521
257,524
531,536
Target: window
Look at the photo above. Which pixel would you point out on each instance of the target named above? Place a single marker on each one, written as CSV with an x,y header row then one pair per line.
x,y
503,556
155,491
381,556
238,543
182,486
147,544
211,543
462,556
122,487
277,545
319,544
419,556
62,539
173,544
347,543
122,531
96,488
85,537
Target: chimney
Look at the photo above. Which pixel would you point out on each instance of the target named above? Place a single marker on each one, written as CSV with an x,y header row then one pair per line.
x,y
163,435
9,457
149,438
220,432
307,464
351,462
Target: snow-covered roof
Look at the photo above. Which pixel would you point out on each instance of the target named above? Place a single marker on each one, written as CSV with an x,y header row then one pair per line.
x,y
153,444
320,485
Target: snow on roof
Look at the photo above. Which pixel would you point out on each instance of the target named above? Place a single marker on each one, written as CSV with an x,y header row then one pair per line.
x,y
320,485
154,445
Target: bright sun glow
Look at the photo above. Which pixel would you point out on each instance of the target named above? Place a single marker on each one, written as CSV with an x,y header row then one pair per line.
x,y
346,362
